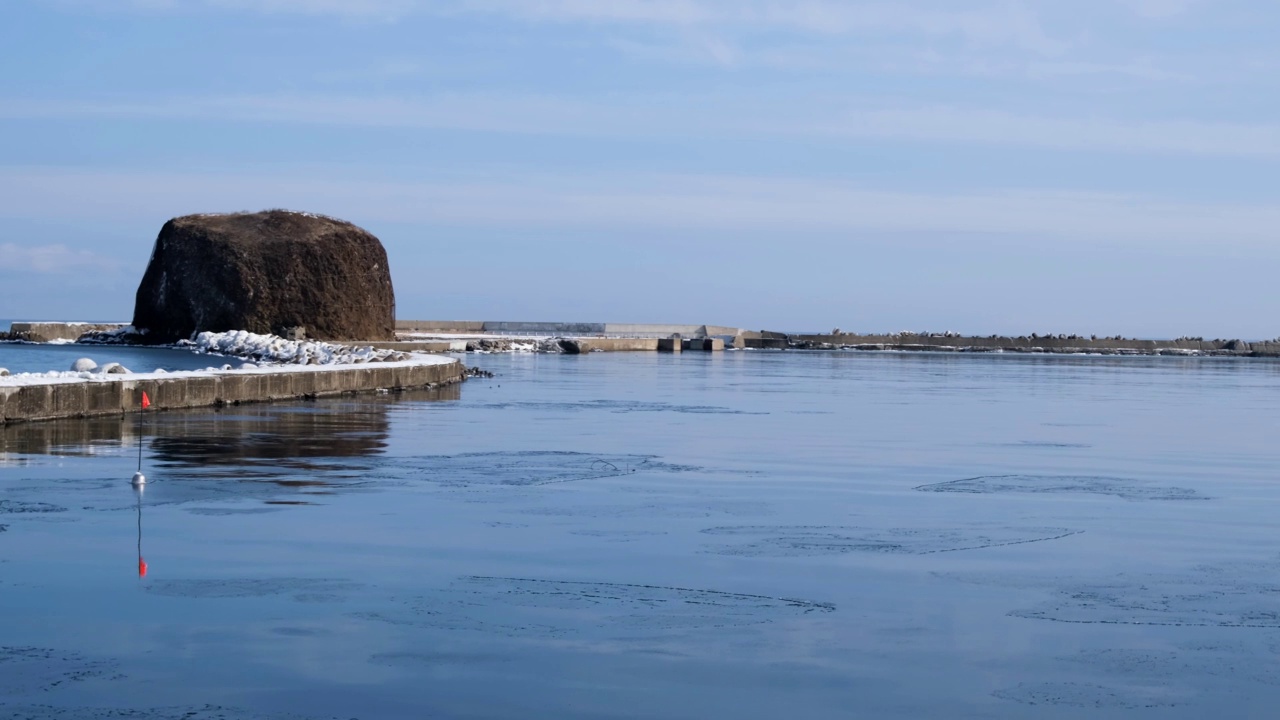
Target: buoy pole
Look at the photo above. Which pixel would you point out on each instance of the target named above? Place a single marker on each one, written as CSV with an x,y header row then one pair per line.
x,y
142,564
138,478
140,428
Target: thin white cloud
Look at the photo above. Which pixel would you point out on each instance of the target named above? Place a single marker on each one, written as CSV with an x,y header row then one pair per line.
x,y
502,198
50,259
686,117
1160,8
358,9
988,22
992,127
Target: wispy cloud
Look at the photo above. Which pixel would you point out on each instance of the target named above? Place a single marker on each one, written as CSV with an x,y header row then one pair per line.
x,y
995,23
991,22
51,259
671,116
502,198
388,10
1160,8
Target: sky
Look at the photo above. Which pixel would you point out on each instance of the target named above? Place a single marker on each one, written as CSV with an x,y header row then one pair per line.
x,y
975,166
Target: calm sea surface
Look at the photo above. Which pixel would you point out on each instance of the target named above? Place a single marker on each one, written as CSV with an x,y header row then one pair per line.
x,y
41,357
745,535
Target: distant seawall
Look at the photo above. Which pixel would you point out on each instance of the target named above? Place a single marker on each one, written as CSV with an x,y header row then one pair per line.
x,y
566,329
1035,344
92,398
627,336
56,331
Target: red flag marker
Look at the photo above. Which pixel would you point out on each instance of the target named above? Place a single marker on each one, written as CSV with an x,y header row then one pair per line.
x,y
146,401
142,568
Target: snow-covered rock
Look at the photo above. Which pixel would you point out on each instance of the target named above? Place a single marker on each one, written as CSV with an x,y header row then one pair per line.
x,y
114,369
119,336
275,349
84,365
4,372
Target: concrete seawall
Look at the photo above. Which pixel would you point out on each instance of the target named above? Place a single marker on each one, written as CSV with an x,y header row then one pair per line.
x,y
1051,344
570,329
27,403
51,331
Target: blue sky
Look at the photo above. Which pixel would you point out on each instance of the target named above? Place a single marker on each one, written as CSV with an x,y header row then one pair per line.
x,y
1095,166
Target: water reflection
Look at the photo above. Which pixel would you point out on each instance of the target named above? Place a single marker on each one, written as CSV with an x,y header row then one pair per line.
x,y
142,564
295,445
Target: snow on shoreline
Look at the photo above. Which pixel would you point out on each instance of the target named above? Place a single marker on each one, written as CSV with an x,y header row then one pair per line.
x,y
60,377
275,349
277,355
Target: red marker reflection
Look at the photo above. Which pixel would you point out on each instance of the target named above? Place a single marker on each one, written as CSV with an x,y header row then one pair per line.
x,y
142,564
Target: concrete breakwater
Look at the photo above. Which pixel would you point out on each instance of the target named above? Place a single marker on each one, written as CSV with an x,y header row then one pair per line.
x,y
56,331
443,336
605,337
568,346
120,394
564,329
1026,344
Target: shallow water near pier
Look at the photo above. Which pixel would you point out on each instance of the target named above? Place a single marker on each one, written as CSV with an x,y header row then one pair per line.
x,y
19,357
743,534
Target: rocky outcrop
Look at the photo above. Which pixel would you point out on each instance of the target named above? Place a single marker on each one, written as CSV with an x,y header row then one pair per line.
x,y
273,272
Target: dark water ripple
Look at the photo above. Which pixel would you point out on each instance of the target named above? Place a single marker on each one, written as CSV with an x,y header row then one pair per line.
x,y
1062,484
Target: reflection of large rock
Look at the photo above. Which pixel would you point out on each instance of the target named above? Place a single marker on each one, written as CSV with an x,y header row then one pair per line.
x,y
266,272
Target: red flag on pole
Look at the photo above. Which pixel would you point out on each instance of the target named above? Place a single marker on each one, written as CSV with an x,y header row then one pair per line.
x,y
142,567
146,401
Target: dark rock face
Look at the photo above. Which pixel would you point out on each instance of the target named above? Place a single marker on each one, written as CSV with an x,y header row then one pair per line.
x,y
266,272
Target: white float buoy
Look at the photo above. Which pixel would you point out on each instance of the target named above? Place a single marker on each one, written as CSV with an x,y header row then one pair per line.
x,y
138,479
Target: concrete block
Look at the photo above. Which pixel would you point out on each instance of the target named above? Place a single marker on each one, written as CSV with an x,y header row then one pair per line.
x,y
704,344
120,396
586,345
50,331
444,326
766,343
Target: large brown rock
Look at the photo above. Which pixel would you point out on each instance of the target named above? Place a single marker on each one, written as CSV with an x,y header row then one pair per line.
x,y
266,272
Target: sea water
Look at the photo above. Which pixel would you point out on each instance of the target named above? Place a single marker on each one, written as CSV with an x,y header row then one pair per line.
x,y
20,357
742,534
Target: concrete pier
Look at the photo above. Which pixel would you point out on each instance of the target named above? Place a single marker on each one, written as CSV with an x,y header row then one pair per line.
x,y
587,345
51,331
119,395
703,345
1035,344
433,346
565,329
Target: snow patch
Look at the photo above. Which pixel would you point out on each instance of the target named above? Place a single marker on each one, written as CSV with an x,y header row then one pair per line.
x,y
119,336
60,377
275,349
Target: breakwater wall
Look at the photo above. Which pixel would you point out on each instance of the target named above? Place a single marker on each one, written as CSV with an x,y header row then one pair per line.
x,y
1029,344
91,398
51,331
629,330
